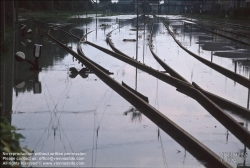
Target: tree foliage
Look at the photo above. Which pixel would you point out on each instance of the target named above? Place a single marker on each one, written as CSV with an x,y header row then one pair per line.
x,y
65,5
9,140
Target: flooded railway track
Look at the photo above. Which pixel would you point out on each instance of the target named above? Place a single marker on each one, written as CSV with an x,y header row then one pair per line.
x,y
186,140
217,99
199,96
215,27
137,66
240,38
244,27
234,76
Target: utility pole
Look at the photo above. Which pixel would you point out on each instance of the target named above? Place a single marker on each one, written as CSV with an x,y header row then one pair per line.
x,y
52,11
86,9
137,27
96,9
96,15
158,6
2,21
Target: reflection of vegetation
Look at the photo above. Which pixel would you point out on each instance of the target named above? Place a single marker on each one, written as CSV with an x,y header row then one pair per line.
x,y
135,114
9,141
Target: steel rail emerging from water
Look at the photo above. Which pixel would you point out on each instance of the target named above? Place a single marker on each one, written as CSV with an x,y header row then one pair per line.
x,y
191,144
201,26
224,103
233,126
236,77
228,24
213,23
188,89
215,98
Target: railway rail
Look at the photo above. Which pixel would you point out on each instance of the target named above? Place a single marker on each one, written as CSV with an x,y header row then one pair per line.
x,y
196,148
177,81
236,77
215,98
209,105
240,38
182,137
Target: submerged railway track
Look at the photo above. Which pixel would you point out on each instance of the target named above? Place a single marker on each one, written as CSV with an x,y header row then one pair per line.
x,y
234,76
193,91
217,99
196,148
213,27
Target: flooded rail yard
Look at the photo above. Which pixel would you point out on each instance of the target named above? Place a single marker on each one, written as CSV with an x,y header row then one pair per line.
x,y
128,93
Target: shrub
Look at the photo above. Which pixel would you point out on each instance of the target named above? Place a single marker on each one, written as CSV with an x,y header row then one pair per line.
x,y
9,141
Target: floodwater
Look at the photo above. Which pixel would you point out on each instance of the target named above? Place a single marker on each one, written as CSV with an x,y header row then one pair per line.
x,y
60,112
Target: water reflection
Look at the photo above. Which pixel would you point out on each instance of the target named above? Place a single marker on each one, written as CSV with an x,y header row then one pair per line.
x,y
84,72
210,44
51,55
29,83
136,115
79,136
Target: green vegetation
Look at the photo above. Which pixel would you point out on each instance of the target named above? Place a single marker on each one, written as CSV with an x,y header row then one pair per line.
x,y
10,141
56,15
40,5
56,9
